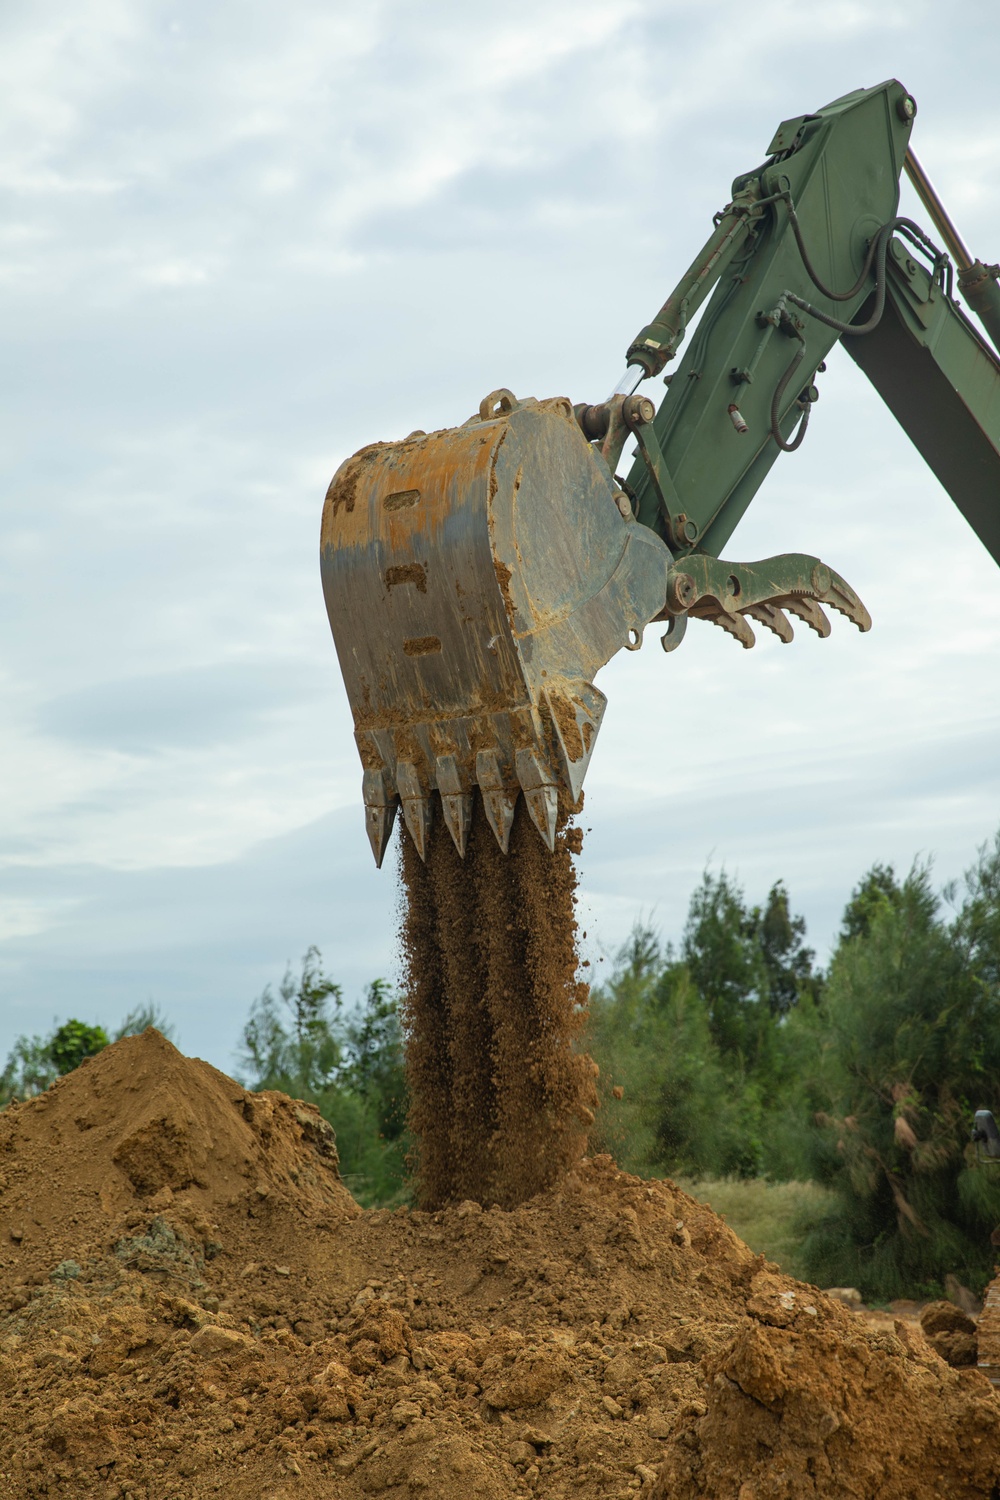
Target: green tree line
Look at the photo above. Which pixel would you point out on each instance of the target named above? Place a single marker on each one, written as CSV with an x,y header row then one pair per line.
x,y
734,1055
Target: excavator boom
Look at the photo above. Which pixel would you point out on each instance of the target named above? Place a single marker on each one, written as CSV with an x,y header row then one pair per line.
x,y
477,578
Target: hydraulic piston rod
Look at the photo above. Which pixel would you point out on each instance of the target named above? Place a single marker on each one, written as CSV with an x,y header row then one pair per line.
x,y
978,282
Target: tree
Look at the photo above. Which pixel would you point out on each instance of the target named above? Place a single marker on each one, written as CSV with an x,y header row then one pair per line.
x,y
750,963
726,963
349,1064
878,890
911,1046
291,1041
787,961
70,1043
672,1098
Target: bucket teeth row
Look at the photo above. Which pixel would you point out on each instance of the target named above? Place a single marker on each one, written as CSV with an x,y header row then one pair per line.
x,y
412,782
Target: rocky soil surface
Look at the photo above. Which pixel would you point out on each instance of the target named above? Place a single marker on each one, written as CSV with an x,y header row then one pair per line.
x,y
192,1305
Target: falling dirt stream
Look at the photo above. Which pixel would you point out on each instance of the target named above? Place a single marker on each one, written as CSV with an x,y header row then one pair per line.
x,y
500,1101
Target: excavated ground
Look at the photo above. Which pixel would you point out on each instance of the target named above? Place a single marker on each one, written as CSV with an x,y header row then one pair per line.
x,y
192,1305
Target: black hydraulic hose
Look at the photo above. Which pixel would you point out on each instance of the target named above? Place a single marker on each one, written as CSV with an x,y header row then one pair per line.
x,y
881,247
779,391
793,219
877,252
912,231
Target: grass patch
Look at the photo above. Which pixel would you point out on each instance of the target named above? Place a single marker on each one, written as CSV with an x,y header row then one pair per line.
x,y
771,1217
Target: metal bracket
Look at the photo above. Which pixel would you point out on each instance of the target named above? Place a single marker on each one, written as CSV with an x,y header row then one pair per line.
x,y
610,424
682,533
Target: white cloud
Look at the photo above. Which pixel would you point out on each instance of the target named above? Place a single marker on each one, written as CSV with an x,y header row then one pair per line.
x,y
240,242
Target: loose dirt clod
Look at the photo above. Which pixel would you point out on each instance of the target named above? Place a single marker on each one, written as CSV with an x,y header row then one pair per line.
x,y
500,1100
191,1306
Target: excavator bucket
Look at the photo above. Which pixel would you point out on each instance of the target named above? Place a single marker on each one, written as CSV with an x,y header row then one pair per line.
x,y
476,579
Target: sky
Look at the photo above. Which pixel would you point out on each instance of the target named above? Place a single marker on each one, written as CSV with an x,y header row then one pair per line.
x,y
240,241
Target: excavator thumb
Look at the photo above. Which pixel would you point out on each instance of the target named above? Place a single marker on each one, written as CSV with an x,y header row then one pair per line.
x,y
476,579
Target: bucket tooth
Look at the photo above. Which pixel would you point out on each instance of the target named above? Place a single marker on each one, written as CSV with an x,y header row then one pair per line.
x,y
456,800
416,805
576,718
497,801
379,821
417,812
540,793
408,781
543,805
457,812
500,815
380,813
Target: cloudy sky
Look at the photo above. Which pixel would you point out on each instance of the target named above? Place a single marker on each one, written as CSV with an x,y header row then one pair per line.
x,y
239,241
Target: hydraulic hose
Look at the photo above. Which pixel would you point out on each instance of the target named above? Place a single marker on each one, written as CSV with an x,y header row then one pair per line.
x,y
779,391
877,252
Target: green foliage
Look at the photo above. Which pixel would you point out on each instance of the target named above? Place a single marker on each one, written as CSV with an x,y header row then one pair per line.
x,y
292,1041
664,1086
70,1043
909,1048
877,891
35,1062
736,1058
28,1070
350,1065
690,1042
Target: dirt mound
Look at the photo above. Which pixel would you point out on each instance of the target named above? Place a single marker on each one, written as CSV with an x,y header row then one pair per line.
x,y
142,1126
500,1102
247,1331
951,1332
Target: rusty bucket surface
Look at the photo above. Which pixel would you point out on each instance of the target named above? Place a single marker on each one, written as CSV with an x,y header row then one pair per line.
x,y
476,579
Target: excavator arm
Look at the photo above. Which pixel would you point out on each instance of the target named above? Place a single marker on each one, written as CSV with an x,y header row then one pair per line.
x,y
477,578
823,258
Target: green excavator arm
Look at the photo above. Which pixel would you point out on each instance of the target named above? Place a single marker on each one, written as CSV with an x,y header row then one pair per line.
x,y
818,219
477,578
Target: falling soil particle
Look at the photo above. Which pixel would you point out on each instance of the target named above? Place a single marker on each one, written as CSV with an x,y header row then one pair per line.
x,y
500,1101
253,1335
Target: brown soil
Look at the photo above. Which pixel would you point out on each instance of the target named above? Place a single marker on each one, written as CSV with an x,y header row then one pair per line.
x,y
500,1101
191,1305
